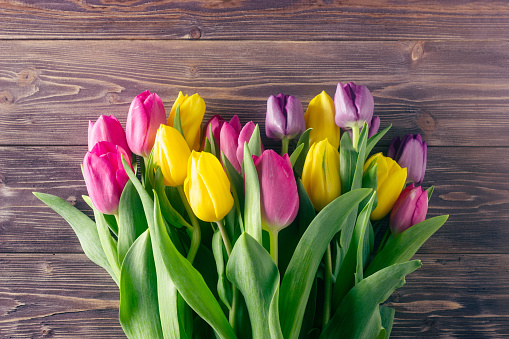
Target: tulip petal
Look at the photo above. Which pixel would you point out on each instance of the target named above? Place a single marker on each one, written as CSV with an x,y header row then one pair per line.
x,y
229,145
320,117
275,120
295,124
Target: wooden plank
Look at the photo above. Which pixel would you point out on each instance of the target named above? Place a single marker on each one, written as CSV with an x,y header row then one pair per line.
x,y
470,184
260,20
67,296
454,93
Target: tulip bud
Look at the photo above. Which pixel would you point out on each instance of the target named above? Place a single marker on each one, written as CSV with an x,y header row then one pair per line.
x,y
285,117
146,114
207,187
171,153
244,136
278,190
390,179
320,175
105,176
107,128
410,152
354,105
410,209
320,117
192,110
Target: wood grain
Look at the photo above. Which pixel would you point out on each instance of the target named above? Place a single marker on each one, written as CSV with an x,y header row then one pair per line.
x,y
454,93
67,296
477,201
254,20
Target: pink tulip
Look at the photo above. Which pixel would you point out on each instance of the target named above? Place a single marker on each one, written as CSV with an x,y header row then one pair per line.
x,y
145,116
410,209
278,190
105,176
232,139
106,128
216,122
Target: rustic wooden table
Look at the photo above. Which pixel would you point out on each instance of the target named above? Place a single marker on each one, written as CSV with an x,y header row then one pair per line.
x,y
439,69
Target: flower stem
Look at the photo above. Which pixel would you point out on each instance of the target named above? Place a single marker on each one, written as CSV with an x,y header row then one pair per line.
x,y
196,237
355,137
284,147
224,235
274,246
328,287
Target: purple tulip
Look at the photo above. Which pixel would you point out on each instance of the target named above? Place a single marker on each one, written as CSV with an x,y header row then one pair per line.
x,y
354,105
145,116
232,139
373,125
106,128
410,209
278,190
105,176
410,152
285,117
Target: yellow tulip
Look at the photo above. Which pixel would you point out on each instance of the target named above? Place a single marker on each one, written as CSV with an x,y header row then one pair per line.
x,y
171,153
192,110
390,179
320,117
320,175
207,187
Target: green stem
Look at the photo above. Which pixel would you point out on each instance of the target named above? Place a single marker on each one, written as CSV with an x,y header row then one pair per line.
x,y
328,287
274,245
355,137
224,235
196,237
233,312
284,147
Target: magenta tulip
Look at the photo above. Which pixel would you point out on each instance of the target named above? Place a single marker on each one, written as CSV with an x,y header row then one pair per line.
x,y
107,128
410,209
354,105
145,116
410,152
232,139
278,190
216,123
105,176
285,117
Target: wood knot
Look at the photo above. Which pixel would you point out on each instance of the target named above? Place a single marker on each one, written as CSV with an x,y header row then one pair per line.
x,y
71,200
48,269
195,33
193,70
47,332
426,122
418,51
26,77
6,97
112,98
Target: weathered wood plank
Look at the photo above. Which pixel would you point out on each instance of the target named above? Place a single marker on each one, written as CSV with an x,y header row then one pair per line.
x,y
454,93
67,296
471,185
260,20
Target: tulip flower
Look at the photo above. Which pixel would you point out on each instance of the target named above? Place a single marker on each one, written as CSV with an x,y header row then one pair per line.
x,y
320,117
320,175
390,179
410,209
107,128
105,176
216,122
284,119
278,190
410,152
207,188
171,153
192,110
146,114
232,140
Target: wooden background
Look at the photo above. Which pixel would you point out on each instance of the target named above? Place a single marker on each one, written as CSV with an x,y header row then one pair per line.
x,y
436,68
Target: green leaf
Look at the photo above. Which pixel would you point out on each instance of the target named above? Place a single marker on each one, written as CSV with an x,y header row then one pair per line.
x,y
255,274
110,219
108,243
303,140
170,214
177,122
403,247
255,142
138,313
387,315
83,226
301,271
358,315
131,218
223,285
252,220
295,155
237,187
430,192
186,278
214,149
374,140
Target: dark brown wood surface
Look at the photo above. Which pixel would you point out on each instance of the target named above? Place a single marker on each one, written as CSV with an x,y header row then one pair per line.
x,y
436,68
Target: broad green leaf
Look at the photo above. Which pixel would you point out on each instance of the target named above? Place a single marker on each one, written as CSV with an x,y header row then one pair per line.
x,y
295,154
301,271
186,278
131,218
255,142
255,274
110,219
83,226
403,247
252,220
374,140
138,312
387,315
358,315
303,140
170,214
223,285
108,243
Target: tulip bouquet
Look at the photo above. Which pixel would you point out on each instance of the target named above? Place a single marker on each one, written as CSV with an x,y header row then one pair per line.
x,y
207,234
